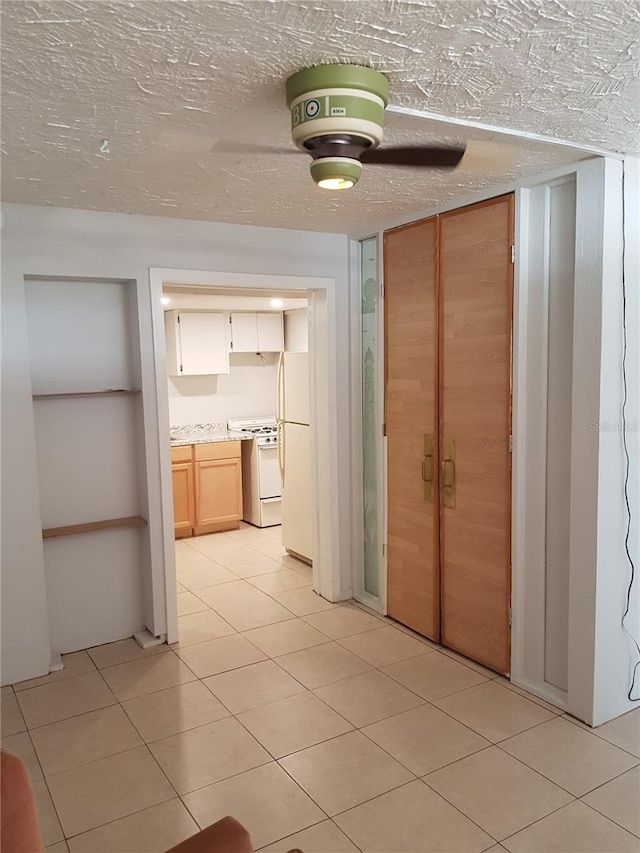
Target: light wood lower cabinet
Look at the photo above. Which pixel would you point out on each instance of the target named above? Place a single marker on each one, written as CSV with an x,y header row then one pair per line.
x,y
183,498
207,488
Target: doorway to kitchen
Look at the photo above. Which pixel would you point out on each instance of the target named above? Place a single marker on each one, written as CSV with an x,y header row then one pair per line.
x,y
317,294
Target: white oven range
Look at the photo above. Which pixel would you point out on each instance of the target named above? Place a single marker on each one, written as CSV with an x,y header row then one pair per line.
x,y
261,483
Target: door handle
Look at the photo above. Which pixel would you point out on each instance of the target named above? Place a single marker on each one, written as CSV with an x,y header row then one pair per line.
x,y
427,468
280,388
280,436
448,473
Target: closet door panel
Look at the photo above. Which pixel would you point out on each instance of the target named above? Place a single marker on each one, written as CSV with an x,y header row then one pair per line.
x,y
410,415
475,411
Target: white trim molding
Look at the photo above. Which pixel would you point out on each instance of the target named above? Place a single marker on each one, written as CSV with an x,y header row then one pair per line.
x,y
327,575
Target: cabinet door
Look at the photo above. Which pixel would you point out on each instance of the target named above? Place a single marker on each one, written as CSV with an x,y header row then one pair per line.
x,y
203,344
270,333
410,415
183,503
218,491
244,333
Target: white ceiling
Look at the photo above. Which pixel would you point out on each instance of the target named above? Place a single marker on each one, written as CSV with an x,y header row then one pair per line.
x,y
221,299
182,90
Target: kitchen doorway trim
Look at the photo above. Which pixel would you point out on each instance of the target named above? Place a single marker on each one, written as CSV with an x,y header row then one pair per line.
x,y
325,487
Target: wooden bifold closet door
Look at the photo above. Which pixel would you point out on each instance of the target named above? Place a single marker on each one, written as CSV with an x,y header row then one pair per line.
x,y
448,316
410,415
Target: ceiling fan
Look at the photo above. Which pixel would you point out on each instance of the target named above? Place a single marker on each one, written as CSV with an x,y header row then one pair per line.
x,y
337,113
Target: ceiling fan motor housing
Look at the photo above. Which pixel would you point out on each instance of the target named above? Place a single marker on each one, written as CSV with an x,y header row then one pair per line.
x,y
337,101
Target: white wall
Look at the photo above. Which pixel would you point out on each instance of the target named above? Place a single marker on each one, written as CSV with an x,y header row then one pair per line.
x,y
542,425
248,391
44,242
615,653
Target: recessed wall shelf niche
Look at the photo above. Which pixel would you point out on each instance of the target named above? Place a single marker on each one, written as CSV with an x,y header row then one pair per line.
x,y
88,419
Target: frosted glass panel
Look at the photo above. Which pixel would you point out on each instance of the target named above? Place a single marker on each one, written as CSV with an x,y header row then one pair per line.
x,y
369,269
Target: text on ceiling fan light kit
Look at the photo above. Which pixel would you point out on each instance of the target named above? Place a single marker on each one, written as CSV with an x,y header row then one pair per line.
x,y
337,115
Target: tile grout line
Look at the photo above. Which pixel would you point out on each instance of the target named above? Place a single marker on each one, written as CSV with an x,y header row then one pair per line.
x,y
379,669
596,731
235,717
119,702
602,814
45,777
552,781
498,840
417,775
71,716
566,805
357,729
94,668
310,691
146,746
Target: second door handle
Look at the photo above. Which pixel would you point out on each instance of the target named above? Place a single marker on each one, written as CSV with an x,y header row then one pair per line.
x,y
448,473
427,468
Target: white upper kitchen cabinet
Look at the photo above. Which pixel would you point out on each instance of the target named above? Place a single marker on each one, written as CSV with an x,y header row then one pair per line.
x,y
270,333
262,332
196,343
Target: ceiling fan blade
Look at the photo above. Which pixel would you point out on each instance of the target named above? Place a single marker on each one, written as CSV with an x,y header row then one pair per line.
x,y
433,157
240,148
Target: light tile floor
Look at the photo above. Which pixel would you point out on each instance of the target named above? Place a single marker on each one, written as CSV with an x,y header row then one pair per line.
x,y
318,726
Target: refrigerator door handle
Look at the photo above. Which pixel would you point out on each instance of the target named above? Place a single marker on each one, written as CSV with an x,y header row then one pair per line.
x,y
280,389
281,449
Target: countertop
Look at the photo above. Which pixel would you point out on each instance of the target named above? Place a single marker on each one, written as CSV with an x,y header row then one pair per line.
x,y
204,434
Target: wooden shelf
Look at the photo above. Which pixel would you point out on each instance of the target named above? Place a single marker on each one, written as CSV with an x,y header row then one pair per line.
x,y
109,393
91,526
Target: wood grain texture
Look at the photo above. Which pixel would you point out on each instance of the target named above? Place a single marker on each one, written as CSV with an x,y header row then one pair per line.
x,y
91,526
218,494
475,411
217,450
183,497
410,414
182,453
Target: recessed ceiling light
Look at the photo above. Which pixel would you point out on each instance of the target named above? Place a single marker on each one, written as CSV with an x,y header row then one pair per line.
x,y
277,303
165,300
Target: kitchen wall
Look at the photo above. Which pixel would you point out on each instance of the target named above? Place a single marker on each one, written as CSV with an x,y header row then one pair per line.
x,y
248,391
55,242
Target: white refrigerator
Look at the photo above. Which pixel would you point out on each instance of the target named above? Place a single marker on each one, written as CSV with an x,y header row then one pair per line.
x,y
294,451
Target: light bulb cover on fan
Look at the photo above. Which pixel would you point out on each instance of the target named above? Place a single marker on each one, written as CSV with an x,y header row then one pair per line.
x,y
336,173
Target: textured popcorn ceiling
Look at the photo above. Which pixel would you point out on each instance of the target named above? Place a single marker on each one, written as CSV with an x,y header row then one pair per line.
x,y
183,90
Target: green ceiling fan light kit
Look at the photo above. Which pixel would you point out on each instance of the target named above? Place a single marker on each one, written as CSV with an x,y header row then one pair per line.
x,y
337,115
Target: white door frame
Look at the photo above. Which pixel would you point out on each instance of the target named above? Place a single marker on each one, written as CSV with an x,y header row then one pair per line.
x,y
320,293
